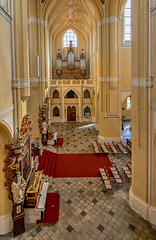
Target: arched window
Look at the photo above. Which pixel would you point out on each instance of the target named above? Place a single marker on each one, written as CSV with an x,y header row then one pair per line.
x,y
127,21
55,94
86,94
87,112
129,103
56,112
71,94
70,36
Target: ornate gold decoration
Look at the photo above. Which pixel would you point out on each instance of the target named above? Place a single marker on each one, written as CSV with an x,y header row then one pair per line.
x,y
11,166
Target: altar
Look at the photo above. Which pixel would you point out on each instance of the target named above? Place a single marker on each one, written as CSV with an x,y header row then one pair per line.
x,y
53,141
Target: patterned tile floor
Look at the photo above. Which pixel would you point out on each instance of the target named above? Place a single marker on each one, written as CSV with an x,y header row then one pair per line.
x,y
87,211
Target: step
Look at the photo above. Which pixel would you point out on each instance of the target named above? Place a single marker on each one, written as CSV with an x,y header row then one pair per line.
x,y
41,160
46,162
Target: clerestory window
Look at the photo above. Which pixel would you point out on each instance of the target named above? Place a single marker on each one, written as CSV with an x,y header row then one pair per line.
x,y
127,21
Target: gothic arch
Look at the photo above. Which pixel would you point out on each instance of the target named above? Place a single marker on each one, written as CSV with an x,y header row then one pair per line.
x,y
71,89
55,90
85,93
128,95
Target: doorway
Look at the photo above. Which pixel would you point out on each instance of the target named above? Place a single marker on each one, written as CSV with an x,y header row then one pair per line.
x,y
71,114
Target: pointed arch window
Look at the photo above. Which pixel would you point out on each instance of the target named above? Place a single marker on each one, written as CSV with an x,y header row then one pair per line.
x,y
128,103
127,21
56,112
87,112
55,94
70,35
86,94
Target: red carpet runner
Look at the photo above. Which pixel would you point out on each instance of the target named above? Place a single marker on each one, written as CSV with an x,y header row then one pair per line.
x,y
80,165
51,213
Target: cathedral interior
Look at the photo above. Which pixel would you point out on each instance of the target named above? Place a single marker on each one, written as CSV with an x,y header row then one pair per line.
x,y
84,70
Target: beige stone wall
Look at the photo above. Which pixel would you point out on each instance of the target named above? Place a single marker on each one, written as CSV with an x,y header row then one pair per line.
x,y
5,63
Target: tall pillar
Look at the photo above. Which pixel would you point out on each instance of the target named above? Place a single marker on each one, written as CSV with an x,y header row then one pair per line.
x,y
39,60
21,82
110,114
142,194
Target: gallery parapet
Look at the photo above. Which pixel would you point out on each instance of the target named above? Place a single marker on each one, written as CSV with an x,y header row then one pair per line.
x,y
79,82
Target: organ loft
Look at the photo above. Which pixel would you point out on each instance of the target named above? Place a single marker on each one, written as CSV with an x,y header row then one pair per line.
x,y
71,66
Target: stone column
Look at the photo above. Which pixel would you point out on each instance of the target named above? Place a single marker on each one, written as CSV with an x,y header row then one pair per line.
x,y
142,193
22,81
110,116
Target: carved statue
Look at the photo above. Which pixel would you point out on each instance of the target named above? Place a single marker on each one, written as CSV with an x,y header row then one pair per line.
x,y
44,127
18,188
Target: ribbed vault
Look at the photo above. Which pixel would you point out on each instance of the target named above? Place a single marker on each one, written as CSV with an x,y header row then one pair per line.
x,y
79,14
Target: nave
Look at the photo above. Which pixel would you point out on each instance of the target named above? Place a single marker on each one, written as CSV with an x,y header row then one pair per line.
x,y
87,211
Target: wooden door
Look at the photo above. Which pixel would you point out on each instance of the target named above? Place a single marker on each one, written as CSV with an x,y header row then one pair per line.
x,y
69,113
73,114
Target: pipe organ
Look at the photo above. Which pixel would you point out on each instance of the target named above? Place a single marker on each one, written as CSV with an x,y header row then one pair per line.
x,y
71,66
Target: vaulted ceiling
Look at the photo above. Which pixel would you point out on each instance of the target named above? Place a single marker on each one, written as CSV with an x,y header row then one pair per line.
x,y
79,14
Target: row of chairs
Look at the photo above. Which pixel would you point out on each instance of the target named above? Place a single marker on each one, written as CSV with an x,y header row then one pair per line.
x,y
117,175
129,145
96,147
105,148
129,148
122,148
128,172
106,179
113,147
